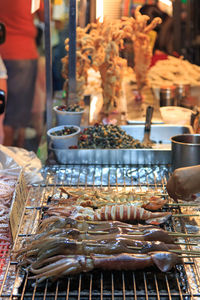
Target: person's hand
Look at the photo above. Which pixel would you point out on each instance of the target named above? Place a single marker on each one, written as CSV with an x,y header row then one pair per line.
x,y
184,182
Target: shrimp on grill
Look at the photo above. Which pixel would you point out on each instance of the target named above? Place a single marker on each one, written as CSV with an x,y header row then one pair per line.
x,y
98,198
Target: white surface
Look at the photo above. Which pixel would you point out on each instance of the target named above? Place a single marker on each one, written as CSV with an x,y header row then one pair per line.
x,y
176,115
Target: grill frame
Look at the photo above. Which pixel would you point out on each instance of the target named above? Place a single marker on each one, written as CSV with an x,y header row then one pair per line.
x,y
115,176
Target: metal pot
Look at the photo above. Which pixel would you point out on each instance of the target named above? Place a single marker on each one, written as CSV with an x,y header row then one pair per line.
x,y
185,150
167,96
182,93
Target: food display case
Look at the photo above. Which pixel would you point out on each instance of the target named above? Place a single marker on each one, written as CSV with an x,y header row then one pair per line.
x,y
123,191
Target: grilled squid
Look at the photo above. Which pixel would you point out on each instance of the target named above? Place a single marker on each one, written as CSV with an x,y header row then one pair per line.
x,y
110,212
60,266
76,229
130,213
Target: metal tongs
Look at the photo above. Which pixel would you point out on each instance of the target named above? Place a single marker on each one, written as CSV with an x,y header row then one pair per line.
x,y
147,129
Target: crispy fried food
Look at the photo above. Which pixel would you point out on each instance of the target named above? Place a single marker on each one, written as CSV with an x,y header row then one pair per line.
x,y
99,45
174,71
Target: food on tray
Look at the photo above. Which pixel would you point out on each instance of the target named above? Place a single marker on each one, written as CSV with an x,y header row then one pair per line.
x,y
107,137
70,108
84,48
63,265
44,248
93,86
142,47
109,212
99,204
130,213
48,253
80,230
96,198
174,71
164,261
64,131
98,46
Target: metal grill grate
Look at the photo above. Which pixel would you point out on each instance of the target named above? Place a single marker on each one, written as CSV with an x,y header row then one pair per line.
x,y
181,283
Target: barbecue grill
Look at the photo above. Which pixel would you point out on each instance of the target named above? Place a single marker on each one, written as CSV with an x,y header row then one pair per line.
x,y
183,282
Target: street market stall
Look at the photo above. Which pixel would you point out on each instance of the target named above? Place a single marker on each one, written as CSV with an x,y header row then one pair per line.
x,y
99,223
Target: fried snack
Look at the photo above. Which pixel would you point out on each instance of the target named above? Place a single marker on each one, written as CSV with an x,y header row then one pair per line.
x,y
173,71
142,47
84,49
99,45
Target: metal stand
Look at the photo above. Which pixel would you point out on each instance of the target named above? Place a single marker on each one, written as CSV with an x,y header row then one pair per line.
x,y
72,52
48,58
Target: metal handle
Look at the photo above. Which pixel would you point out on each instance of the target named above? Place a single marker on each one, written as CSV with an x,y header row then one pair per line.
x,y
2,101
194,119
149,114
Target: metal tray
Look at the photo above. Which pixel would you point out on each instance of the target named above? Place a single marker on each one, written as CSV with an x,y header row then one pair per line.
x,y
159,154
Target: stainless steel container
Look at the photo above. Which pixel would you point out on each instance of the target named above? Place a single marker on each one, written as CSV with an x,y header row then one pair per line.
x,y
182,93
185,150
167,96
160,153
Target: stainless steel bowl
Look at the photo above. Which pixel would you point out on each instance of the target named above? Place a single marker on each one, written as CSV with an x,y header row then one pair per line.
x,y
182,92
185,150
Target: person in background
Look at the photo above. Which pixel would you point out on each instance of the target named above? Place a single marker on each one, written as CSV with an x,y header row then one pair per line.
x,y
164,31
164,41
19,53
163,45
184,183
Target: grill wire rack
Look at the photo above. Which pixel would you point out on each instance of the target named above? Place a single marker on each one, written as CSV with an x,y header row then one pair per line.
x,y
183,282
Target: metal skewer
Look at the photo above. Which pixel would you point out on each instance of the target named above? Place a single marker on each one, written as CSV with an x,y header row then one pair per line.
x,y
183,204
185,215
179,234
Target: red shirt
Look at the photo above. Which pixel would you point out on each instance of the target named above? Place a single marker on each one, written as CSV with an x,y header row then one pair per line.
x,y
20,30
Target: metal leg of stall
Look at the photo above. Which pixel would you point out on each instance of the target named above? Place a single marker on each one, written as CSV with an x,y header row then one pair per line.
x,y
48,57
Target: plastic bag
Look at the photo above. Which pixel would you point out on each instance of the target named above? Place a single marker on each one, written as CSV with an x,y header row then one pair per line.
x,y
13,159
